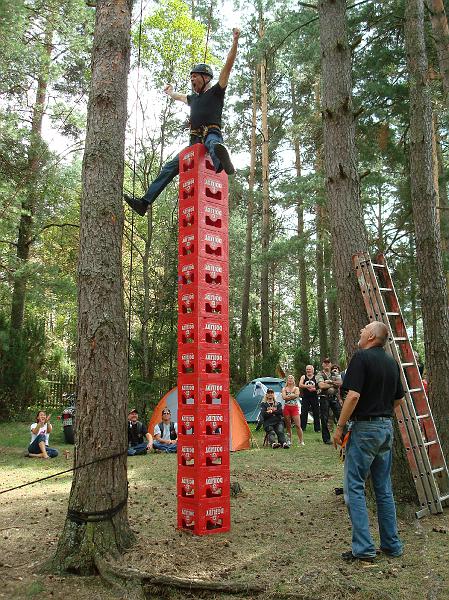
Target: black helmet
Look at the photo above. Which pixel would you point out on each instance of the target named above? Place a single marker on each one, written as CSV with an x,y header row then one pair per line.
x,y
203,69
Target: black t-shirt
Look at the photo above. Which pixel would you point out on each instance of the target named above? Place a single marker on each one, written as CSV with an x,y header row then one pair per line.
x,y
374,374
206,108
136,433
306,393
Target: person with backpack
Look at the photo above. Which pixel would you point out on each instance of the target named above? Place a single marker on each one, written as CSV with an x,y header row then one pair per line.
x,y
166,434
139,440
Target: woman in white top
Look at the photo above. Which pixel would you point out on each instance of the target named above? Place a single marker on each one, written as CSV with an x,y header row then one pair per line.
x,y
292,408
40,434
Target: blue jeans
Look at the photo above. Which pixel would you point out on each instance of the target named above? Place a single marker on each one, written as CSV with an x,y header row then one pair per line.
x,y
165,447
33,448
137,449
368,451
171,168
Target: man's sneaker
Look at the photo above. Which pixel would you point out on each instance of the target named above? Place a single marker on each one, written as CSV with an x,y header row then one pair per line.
x,y
286,445
222,154
302,444
349,557
275,445
137,204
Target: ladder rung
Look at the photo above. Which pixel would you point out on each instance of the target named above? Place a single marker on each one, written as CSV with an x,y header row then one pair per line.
x,y
385,289
378,265
432,443
407,364
423,416
412,391
443,498
438,470
400,339
392,314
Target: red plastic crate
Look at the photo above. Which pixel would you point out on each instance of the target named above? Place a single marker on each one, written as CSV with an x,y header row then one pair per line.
x,y
204,242
202,301
203,361
204,423
212,515
212,331
193,215
201,483
197,392
198,271
203,187
195,160
210,451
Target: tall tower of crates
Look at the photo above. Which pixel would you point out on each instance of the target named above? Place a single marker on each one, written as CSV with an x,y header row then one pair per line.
x,y
203,346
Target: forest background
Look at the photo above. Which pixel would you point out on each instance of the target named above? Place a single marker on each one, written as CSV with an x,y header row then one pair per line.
x,y
284,309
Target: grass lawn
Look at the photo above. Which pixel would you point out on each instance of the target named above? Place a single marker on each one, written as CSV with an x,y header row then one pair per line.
x,y
288,529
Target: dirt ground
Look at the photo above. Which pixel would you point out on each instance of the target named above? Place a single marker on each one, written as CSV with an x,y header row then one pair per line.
x,y
288,531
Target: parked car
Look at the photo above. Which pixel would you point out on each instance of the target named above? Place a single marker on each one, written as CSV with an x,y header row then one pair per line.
x,y
68,419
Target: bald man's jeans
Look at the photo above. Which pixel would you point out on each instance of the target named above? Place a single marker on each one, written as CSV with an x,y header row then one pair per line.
x,y
368,452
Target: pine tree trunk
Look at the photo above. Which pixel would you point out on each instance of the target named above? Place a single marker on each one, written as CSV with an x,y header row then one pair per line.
x,y
433,288
102,359
348,234
243,370
320,289
264,285
302,269
333,317
443,204
440,31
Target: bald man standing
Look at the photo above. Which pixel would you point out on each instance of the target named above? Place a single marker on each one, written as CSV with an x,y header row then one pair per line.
x,y
373,385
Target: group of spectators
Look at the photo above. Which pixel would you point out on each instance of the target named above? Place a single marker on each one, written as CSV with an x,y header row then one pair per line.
x,y
140,441
316,393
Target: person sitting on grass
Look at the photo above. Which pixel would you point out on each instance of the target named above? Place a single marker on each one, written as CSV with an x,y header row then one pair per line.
x,y
40,434
166,434
139,440
273,421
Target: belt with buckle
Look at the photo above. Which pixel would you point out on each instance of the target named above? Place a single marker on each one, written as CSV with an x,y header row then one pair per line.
x,y
202,131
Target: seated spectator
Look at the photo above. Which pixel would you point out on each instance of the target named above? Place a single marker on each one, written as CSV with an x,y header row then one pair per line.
x,y
166,434
40,435
139,440
272,419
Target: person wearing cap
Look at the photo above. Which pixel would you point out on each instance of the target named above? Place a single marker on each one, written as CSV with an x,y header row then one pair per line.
x,y
273,420
166,434
139,440
206,107
328,386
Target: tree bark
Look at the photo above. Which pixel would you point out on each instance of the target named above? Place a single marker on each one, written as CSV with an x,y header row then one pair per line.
x,y
102,358
320,288
302,268
265,232
348,233
333,316
440,31
243,370
433,288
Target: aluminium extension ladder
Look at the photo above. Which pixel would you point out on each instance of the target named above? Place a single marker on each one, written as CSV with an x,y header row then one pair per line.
x,y
415,419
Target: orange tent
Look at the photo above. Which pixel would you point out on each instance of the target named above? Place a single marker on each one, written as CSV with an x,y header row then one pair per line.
x,y
240,434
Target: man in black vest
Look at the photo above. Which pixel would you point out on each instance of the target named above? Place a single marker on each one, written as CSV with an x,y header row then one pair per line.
x,y
139,440
373,385
206,106
166,434
309,394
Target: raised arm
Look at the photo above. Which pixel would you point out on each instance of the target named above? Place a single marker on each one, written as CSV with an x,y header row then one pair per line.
x,y
226,70
168,89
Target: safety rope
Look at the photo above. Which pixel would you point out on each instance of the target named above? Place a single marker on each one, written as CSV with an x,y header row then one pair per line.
x,y
139,48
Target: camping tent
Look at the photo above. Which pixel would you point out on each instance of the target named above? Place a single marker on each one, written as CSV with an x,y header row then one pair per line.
x,y
239,429
250,396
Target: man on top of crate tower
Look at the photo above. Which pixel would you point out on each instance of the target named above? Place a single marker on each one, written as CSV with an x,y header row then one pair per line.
x,y
206,106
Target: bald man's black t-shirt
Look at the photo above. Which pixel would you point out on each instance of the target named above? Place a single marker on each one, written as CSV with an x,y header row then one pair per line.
x,y
206,108
374,374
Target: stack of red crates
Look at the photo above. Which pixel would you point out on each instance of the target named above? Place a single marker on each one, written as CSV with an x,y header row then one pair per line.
x,y
203,346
